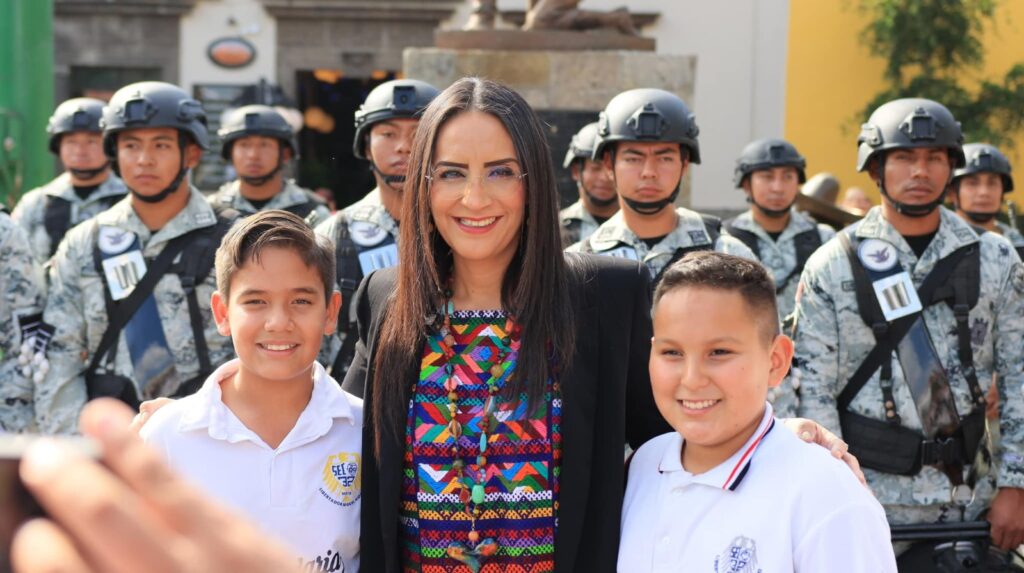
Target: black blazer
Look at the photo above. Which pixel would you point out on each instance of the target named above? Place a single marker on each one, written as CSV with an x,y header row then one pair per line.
x,y
606,401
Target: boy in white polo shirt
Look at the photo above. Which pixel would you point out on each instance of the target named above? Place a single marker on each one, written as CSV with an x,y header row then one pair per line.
x,y
727,492
270,432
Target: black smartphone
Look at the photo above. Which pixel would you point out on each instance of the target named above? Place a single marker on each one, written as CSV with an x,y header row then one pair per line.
x,y
16,503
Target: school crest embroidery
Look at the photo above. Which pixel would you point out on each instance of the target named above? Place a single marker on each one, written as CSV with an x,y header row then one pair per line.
x,y
739,557
341,478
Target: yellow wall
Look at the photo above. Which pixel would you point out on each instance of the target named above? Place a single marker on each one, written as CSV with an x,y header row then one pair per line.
x,y
831,76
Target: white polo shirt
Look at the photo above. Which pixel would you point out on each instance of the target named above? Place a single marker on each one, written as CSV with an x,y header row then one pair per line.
x,y
306,492
776,505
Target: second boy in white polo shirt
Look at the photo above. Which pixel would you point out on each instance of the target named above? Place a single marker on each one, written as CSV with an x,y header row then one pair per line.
x,y
728,491
270,432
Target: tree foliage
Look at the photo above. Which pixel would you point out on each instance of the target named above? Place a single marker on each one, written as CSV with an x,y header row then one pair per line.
x,y
933,49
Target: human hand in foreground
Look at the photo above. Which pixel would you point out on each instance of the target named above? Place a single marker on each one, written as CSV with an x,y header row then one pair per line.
x,y
1007,518
130,514
146,411
814,433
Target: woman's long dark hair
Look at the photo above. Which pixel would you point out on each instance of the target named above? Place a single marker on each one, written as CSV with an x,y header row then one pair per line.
x,y
535,289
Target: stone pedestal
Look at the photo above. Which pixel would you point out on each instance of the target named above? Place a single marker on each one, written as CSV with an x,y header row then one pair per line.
x,y
567,88
542,40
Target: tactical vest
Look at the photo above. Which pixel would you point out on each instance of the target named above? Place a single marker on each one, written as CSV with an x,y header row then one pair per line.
x,y
348,273
888,446
192,269
302,210
57,217
570,231
806,242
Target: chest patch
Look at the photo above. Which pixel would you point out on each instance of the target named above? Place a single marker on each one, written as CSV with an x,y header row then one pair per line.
x,y
366,234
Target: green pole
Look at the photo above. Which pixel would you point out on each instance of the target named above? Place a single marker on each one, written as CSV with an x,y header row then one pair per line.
x,y
26,95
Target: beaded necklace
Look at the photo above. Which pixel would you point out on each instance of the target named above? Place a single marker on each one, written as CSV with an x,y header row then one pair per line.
x,y
471,487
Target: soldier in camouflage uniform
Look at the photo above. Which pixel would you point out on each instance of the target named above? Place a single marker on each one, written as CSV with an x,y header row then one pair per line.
x,y
84,189
771,171
979,188
598,200
365,234
21,305
154,133
647,138
919,448
259,143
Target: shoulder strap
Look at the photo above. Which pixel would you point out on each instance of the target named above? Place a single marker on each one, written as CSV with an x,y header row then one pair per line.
x,y
119,313
805,244
192,272
1020,252
746,237
712,226
348,274
570,231
867,305
313,201
887,340
56,220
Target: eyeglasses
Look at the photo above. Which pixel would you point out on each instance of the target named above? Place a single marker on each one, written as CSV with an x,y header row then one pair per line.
x,y
498,179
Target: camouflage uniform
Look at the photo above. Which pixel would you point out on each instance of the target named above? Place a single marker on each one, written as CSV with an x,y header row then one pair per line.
x,y
577,223
30,211
1011,234
614,238
369,214
76,305
290,196
832,340
20,294
779,255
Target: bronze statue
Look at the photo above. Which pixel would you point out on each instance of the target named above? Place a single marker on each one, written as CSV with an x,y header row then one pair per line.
x,y
554,15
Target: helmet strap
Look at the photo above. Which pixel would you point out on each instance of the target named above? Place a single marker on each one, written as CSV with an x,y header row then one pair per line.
x,y
182,172
599,203
903,208
261,180
651,207
770,213
89,173
982,218
395,182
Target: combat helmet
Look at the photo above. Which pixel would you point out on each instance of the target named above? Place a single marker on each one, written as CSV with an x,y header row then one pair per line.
x,y
907,124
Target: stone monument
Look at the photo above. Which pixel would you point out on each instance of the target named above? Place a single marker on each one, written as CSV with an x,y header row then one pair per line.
x,y
565,61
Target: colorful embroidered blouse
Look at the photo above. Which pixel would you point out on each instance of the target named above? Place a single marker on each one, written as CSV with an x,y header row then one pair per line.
x,y
522,461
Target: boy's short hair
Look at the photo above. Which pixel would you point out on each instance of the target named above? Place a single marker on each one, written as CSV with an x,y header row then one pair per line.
x,y
278,229
718,271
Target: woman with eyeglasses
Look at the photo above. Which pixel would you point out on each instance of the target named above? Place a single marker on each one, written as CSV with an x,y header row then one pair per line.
x,y
501,377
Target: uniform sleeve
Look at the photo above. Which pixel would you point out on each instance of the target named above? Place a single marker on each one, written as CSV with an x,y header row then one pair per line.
x,y
816,337
1009,340
784,399
733,246
21,293
60,396
27,214
22,212
853,538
